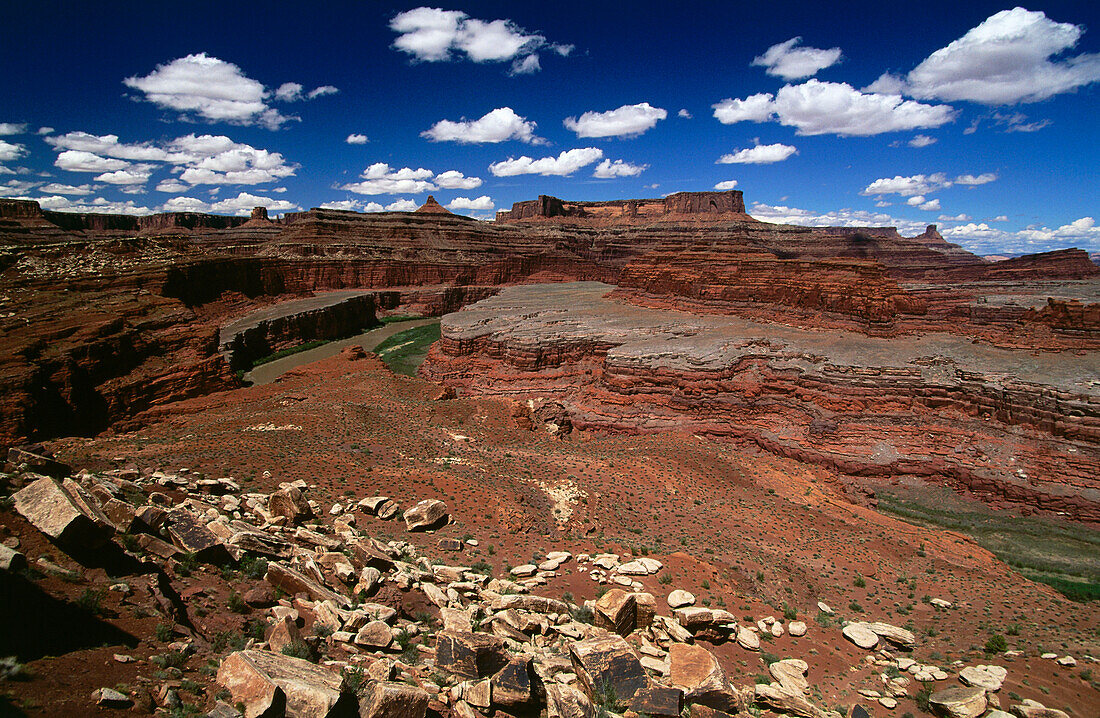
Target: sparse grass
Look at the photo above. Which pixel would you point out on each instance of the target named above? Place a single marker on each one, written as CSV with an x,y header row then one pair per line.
x,y
289,351
405,351
300,649
91,600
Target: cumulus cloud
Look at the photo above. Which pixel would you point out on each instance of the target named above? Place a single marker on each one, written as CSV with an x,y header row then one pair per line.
x,y
435,35
45,130
13,188
908,186
453,179
58,188
974,180
380,178
81,161
684,113
626,121
956,218
172,186
819,108
243,203
322,91
210,89
791,62
133,175
482,203
1005,60
99,205
922,141
759,155
983,239
292,92
837,218
608,169
10,151
109,146
354,139
563,165
499,125
754,108
728,184
12,128
355,205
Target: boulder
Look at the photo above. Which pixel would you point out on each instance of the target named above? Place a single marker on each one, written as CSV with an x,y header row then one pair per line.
x,y
290,504
701,711
695,671
65,512
796,628
959,702
860,634
190,535
26,460
427,514
511,685
11,560
295,582
893,634
791,674
680,598
384,699
658,702
615,611
608,664
284,632
785,700
567,702
988,677
645,609
748,639
376,635
110,698
1032,709
270,683
470,655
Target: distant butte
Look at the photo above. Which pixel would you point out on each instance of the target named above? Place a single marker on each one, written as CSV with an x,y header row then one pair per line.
x,y
432,207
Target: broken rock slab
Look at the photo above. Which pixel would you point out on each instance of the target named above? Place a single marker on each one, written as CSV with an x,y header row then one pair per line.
x,y
608,663
65,512
270,683
426,515
695,671
294,582
959,702
385,699
470,655
990,678
860,634
616,612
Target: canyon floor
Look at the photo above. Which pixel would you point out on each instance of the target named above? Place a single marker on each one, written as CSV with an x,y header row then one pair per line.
x,y
742,530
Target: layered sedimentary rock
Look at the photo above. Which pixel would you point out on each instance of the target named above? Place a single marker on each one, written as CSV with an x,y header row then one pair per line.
x,y
713,282
681,203
1011,425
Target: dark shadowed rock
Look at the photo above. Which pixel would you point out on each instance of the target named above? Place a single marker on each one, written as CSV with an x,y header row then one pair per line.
x,y
190,535
393,700
511,685
608,665
657,701
470,655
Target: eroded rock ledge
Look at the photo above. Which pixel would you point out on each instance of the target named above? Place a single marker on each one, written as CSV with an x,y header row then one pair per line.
x,y
1009,424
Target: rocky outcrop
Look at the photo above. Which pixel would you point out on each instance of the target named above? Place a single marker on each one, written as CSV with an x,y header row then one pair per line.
x,y
710,204
713,282
931,405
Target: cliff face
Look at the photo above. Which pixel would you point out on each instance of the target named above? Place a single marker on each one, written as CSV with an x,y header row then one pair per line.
x,y
859,289
710,204
934,406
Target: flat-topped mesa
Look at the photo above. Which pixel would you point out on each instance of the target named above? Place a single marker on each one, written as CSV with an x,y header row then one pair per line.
x,y
717,283
708,205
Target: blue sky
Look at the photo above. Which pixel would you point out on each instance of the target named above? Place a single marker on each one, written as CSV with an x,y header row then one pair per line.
x,y
979,117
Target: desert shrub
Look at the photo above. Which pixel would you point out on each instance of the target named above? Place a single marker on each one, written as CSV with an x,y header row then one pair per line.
x,y
91,600
996,644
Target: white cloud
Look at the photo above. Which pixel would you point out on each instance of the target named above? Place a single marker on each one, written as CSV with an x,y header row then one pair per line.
x,y
1017,122
932,205
348,205
379,178
499,125
922,141
10,151
401,205
999,218
1004,60
12,188
354,139
759,155
81,161
563,165
172,185
837,218
108,146
908,186
133,175
484,202
243,203
626,121
185,204
608,169
684,113
793,63
818,108
216,159
956,218
12,128
974,180
289,92
321,91
453,179
754,108
983,239
58,188
433,35
99,205
728,184
209,88
354,205
915,200
45,130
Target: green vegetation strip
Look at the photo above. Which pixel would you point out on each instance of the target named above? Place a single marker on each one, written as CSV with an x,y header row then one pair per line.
x,y
1061,554
290,351
405,351
401,318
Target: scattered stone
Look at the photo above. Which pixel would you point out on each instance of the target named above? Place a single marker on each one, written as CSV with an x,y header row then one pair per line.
x,y
265,681
959,702
426,515
567,702
786,701
791,674
796,628
11,560
110,698
988,677
860,634
748,639
376,635
294,582
680,598
1067,661
824,608
658,702
893,634
511,685
600,662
